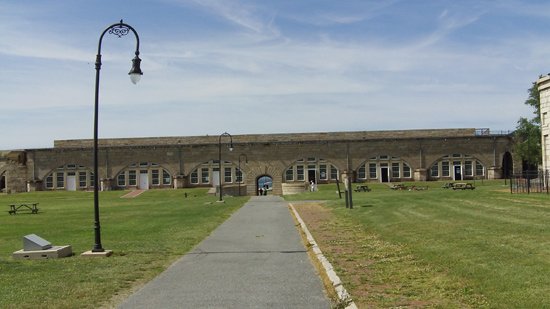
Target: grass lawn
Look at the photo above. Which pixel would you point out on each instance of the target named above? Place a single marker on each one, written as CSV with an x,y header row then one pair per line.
x,y
146,233
482,248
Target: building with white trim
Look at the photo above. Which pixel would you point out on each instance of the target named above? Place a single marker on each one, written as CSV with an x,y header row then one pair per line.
x,y
544,91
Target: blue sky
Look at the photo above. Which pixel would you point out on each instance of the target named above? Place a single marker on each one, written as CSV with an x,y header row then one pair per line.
x,y
253,67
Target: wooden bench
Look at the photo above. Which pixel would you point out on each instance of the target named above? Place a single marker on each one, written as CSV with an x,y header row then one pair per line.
x,y
362,189
32,207
463,186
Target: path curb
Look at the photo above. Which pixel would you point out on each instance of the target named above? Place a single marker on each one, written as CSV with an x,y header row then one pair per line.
x,y
343,295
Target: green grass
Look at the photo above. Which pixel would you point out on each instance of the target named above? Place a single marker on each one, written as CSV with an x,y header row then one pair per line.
x,y
480,248
486,247
146,233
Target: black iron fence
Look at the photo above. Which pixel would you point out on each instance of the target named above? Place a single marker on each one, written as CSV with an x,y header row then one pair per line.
x,y
530,182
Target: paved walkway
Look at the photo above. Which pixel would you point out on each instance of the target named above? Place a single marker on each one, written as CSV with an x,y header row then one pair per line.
x,y
133,193
253,260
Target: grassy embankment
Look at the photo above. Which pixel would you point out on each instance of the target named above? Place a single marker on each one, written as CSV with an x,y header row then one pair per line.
x,y
146,233
484,248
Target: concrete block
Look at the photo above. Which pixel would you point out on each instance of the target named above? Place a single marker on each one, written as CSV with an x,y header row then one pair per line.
x,y
90,253
52,253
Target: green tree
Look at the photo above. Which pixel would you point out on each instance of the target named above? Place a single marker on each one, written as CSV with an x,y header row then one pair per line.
x,y
528,133
533,100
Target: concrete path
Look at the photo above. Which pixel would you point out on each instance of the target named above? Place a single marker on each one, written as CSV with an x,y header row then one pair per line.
x,y
253,260
133,193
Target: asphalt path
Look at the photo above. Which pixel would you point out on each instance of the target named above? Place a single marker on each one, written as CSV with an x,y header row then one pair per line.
x,y
255,259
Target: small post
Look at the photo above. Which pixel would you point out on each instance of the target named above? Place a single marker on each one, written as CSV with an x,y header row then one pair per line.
x,y
338,188
349,178
350,194
346,187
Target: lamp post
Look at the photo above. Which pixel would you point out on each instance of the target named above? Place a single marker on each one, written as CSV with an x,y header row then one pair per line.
x,y
349,178
119,29
240,172
220,160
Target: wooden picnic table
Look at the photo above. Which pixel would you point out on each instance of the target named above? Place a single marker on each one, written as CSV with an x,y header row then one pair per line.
x,y
362,189
398,187
14,208
418,188
463,186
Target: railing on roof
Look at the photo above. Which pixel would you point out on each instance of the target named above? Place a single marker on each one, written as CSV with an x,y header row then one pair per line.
x,y
487,132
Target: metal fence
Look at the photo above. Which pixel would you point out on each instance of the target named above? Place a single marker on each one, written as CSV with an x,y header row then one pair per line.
x,y
530,182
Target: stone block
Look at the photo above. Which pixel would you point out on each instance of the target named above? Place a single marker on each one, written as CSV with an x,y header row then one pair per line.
x,y
34,242
90,253
52,253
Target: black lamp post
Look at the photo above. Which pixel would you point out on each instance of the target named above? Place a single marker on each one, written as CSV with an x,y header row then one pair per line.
x,y
119,29
220,160
240,172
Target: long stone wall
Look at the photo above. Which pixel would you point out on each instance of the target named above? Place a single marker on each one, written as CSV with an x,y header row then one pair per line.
x,y
269,154
270,138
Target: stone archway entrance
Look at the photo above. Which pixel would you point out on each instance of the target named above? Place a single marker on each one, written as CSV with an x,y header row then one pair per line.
x,y
264,184
507,165
2,182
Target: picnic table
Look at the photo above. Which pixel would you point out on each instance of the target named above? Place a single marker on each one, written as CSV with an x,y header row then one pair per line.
x,y
418,188
398,187
463,186
362,189
14,208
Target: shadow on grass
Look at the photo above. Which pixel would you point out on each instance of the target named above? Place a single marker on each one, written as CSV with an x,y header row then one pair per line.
x,y
367,205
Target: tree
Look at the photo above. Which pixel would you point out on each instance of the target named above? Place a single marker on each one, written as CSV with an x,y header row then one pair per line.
x,y
527,146
533,100
528,133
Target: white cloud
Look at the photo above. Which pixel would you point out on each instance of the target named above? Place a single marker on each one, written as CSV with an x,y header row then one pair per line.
x,y
261,76
246,15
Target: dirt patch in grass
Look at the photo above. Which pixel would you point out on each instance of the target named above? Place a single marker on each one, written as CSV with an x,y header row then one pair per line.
x,y
376,273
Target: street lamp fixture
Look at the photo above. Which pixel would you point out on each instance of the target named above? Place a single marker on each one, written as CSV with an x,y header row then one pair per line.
x,y
119,29
221,176
240,172
135,73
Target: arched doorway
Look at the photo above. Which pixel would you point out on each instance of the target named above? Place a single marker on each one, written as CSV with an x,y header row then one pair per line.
x,y
507,165
2,182
264,184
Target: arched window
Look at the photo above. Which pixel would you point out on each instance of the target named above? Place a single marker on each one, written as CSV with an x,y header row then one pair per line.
x,y
143,175
384,168
205,173
70,177
311,169
456,166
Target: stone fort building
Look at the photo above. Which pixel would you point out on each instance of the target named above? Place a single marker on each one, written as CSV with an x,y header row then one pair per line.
x,y
286,163
544,91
